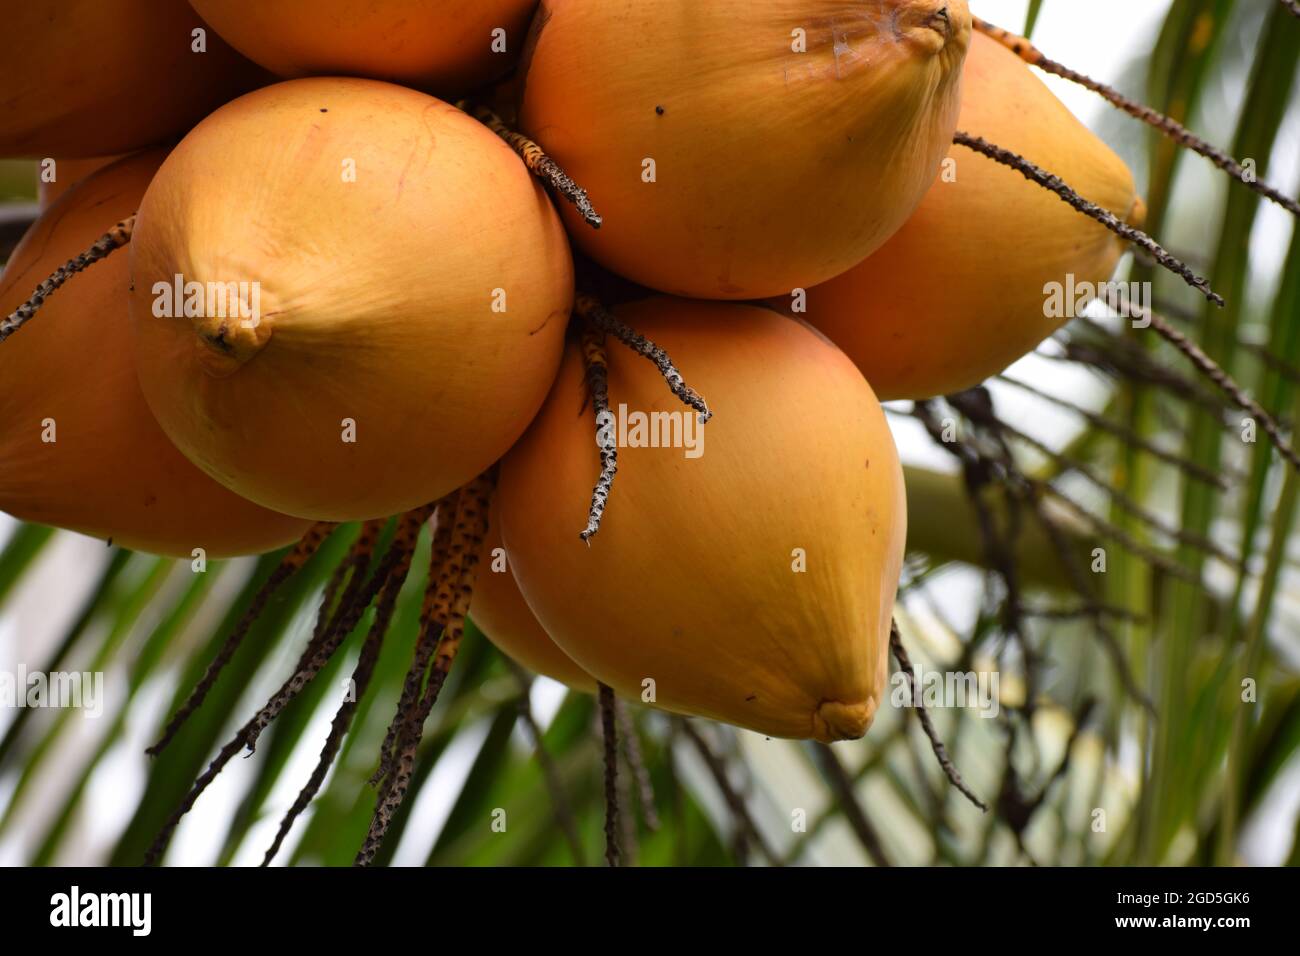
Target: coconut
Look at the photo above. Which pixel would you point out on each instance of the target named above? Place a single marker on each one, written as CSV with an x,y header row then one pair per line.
x,y
744,572
89,78
501,613
738,150
447,46
981,273
350,297
78,446
66,174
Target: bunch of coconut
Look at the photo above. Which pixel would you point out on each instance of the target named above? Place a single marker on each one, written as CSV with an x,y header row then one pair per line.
x,y
346,291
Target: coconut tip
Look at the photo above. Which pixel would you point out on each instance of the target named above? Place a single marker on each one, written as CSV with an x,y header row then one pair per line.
x,y
226,339
947,22
836,720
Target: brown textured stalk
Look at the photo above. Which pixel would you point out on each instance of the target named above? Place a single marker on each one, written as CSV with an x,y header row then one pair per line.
x,y
636,764
1153,118
430,630
1082,585
1055,184
1123,501
849,805
361,675
1121,364
395,561
354,564
538,163
609,734
1106,529
1032,491
451,604
1225,383
593,357
550,772
589,309
1125,434
395,566
1285,369
104,246
936,744
288,566
979,471
717,768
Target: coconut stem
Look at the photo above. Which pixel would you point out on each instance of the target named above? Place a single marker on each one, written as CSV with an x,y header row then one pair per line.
x,y
451,605
104,246
430,631
735,801
936,744
1125,434
593,357
589,309
393,565
1116,360
351,569
361,675
550,772
1153,118
1114,532
1081,583
636,766
842,786
976,412
1055,184
288,566
1225,383
538,163
609,733
1032,492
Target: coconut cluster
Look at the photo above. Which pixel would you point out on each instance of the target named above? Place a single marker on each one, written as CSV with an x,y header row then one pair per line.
x,y
349,293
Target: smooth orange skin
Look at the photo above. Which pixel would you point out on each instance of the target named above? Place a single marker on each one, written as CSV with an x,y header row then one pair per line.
x,y
690,581
376,297
444,46
102,77
502,614
68,172
774,169
111,473
957,295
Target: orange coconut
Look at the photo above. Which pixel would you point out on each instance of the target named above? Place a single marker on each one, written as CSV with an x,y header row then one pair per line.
x,y
968,285
66,173
753,582
95,78
68,375
503,615
405,289
446,46
740,149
